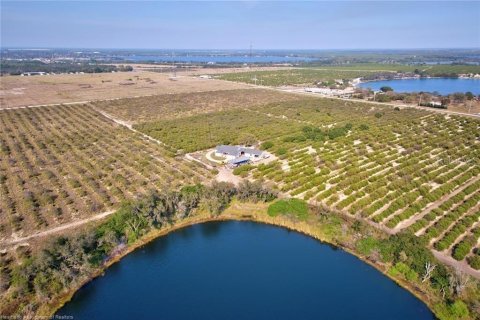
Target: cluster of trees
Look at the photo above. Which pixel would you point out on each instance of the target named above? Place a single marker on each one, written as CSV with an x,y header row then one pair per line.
x,y
291,207
425,99
14,67
410,258
474,260
465,246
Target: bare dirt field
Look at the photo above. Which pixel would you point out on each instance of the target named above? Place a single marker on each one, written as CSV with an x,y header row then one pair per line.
x,y
16,91
198,70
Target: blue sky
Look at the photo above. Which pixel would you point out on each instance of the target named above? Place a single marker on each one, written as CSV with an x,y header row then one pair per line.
x,y
234,25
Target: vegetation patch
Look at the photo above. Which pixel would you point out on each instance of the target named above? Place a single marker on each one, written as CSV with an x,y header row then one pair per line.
x,y
208,130
293,76
171,106
64,162
293,207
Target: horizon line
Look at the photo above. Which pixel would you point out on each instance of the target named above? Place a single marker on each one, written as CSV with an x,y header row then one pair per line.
x,y
241,49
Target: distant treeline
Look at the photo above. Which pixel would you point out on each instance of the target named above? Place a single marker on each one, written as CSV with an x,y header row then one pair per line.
x,y
14,67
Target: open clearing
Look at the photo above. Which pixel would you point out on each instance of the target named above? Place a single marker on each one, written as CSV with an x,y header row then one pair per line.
x,y
18,91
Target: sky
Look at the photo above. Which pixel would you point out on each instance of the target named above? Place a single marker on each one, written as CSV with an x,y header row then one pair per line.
x,y
236,25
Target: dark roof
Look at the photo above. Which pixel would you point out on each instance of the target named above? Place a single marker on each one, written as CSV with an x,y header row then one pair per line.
x,y
235,150
252,151
238,160
231,150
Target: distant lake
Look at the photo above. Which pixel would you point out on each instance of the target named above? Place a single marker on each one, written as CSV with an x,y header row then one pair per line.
x,y
443,86
242,270
216,58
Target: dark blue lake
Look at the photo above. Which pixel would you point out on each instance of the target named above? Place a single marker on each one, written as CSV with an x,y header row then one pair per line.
x,y
242,270
216,58
443,86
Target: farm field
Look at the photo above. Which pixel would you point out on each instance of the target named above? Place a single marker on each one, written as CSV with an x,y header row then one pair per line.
x,y
168,106
300,76
382,67
62,163
399,169
419,175
208,130
313,74
263,122
18,91
402,170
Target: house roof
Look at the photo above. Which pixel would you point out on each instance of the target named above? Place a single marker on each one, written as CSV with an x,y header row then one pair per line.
x,y
231,150
251,151
235,150
239,160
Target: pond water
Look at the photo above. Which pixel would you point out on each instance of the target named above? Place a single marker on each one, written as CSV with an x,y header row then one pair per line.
x,y
443,86
242,270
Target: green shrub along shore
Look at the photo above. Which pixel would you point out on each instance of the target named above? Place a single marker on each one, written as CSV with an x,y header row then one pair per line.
x,y
43,282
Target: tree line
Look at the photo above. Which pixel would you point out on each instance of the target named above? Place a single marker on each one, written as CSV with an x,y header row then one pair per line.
x,y
13,67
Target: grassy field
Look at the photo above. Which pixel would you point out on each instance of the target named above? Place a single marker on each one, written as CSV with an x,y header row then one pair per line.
x,y
382,67
457,69
312,75
290,207
306,76
377,67
435,68
61,163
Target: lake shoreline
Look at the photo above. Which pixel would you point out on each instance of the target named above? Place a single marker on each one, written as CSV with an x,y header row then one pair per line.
x,y
359,83
297,226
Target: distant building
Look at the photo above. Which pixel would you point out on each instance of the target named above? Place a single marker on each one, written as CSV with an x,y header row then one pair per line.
x,y
36,73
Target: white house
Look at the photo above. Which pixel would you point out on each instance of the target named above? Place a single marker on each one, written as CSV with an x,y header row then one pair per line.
x,y
233,152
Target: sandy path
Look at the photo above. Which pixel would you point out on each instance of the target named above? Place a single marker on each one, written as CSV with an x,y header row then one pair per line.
x,y
459,265
226,175
16,240
408,222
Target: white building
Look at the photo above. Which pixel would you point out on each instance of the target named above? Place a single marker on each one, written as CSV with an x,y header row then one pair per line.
x,y
233,152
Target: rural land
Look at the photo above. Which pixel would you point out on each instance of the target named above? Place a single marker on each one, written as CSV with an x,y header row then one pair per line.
x,y
97,163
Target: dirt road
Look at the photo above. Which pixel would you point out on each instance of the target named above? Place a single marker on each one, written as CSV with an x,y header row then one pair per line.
x,y
458,265
17,240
